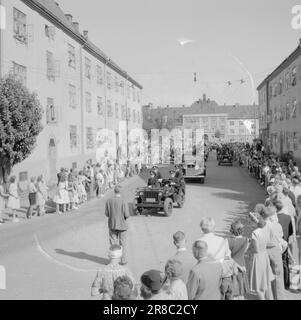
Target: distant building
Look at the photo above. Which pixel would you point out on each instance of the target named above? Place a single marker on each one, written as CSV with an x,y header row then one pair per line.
x,y
280,106
220,123
80,88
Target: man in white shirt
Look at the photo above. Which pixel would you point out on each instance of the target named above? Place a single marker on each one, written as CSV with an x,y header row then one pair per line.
x,y
218,247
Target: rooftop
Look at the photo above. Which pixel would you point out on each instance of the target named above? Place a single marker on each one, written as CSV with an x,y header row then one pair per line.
x,y
284,64
52,11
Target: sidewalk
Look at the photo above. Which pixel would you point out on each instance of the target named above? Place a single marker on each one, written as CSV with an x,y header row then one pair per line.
x,y
50,205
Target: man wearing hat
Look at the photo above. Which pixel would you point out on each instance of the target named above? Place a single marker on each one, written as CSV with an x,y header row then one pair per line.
x,y
153,181
117,212
152,283
157,173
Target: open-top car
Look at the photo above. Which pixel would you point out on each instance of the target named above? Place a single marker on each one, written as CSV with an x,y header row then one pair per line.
x,y
161,199
225,158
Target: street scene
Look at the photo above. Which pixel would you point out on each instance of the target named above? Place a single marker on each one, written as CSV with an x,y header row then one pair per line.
x,y
177,178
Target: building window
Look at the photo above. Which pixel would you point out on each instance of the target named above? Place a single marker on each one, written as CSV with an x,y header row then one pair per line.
x,y
294,77
72,96
116,84
50,66
275,90
232,123
73,137
20,73
134,116
232,131
134,95
74,165
123,113
295,141
88,102
109,80
51,112
122,87
88,68
20,28
23,176
100,106
99,75
282,113
241,123
129,92
280,87
90,138
287,111
49,32
116,111
109,106
129,114
294,109
138,117
71,56
287,81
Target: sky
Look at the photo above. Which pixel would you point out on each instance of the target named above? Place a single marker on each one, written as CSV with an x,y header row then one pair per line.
x,y
233,40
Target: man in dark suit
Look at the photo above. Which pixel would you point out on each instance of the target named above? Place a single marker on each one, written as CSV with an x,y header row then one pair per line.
x,y
287,227
205,277
153,180
117,212
158,175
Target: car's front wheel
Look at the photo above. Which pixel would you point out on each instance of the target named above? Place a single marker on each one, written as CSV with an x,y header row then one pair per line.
x,y
168,206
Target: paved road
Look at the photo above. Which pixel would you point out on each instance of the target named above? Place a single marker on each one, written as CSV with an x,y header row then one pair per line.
x,y
57,257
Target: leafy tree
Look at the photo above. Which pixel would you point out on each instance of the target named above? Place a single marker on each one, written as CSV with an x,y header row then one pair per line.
x,y
20,123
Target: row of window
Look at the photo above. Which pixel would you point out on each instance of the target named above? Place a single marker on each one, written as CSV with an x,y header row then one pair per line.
x,y
21,34
120,111
74,137
242,123
242,132
287,112
290,140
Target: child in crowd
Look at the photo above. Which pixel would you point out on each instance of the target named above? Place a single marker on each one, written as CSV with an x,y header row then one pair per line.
x,y
239,245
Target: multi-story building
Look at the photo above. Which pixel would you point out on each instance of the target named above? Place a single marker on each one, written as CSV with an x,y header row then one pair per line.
x,y
80,88
280,94
220,123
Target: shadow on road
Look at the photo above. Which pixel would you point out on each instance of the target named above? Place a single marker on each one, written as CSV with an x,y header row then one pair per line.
x,y
83,256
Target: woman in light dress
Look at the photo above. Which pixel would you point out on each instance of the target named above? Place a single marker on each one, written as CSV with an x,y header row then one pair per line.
x,y
82,193
260,275
3,198
42,195
62,196
13,202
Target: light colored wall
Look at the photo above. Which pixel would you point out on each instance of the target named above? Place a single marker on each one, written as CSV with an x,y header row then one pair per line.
x,y
33,56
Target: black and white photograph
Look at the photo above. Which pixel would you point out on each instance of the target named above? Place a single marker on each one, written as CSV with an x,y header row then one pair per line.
x,y
150,150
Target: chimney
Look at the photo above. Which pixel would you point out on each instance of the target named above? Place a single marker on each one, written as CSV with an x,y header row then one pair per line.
x,y
76,26
86,34
208,101
69,17
204,97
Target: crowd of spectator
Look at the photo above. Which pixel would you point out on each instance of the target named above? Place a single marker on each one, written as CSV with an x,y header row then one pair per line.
x,y
72,189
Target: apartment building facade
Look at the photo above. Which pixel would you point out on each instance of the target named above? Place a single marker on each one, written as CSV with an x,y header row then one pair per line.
x,y
280,94
80,88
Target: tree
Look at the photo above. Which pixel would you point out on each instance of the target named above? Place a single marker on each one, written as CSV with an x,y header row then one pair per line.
x,y
20,123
